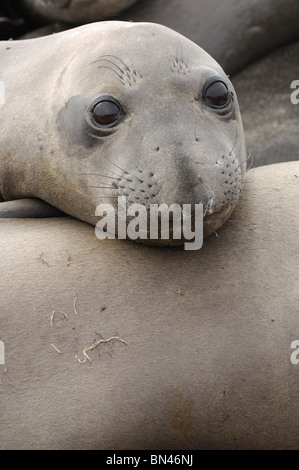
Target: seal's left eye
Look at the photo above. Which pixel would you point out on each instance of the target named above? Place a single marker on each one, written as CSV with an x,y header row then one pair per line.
x,y
217,95
107,113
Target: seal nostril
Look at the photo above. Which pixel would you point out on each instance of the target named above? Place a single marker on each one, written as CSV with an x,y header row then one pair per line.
x,y
157,149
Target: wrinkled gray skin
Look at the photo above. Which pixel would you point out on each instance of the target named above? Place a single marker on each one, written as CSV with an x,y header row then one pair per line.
x,y
234,32
271,120
170,148
73,11
207,363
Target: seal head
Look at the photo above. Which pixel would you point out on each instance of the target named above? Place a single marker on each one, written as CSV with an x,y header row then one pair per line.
x,y
137,110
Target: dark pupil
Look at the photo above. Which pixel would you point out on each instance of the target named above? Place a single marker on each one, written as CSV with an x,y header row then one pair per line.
x,y
105,113
217,94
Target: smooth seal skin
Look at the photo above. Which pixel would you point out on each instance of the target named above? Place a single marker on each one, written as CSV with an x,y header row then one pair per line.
x,y
72,11
270,108
110,118
234,32
208,360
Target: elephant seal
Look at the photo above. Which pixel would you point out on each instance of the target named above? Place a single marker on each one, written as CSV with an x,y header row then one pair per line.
x,y
210,360
234,33
112,119
72,11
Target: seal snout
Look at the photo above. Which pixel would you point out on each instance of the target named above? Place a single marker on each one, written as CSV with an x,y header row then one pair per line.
x,y
139,186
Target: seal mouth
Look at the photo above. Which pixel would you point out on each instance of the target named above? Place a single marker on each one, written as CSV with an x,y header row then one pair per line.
x,y
214,221
210,223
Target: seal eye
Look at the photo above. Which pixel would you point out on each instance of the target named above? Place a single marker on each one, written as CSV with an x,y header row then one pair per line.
x,y
217,95
107,113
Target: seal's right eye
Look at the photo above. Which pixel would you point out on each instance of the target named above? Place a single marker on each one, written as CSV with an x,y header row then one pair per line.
x,y
107,113
216,94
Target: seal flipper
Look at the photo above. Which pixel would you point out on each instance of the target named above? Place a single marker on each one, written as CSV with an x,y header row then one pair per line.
x,y
28,208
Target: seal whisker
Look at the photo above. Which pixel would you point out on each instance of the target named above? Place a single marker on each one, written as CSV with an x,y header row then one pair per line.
x,y
249,178
109,197
246,160
243,190
119,177
124,70
110,161
122,177
103,57
179,63
135,73
245,171
90,196
248,182
126,172
120,78
251,163
110,61
103,176
235,143
100,187
181,53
